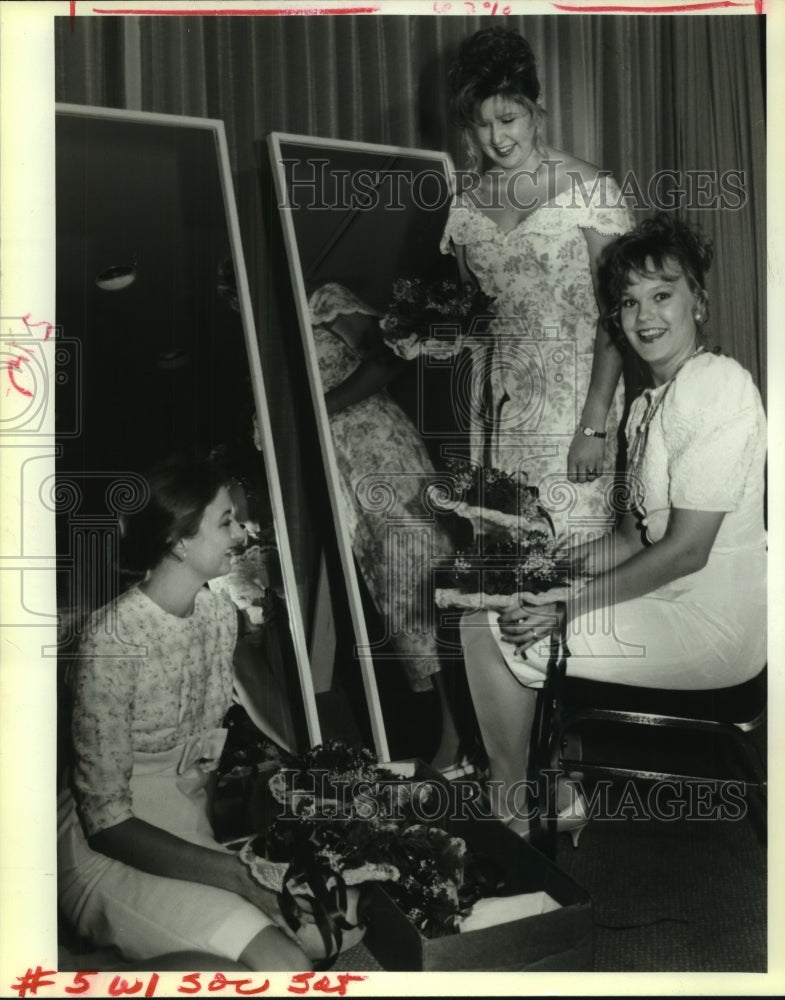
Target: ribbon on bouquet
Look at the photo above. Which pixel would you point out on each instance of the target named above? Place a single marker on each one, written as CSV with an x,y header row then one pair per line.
x,y
328,901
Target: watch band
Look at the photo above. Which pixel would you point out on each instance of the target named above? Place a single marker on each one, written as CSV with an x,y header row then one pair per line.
x,y
590,432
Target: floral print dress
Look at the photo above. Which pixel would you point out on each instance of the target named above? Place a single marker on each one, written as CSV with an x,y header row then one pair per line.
x,y
383,470
532,371
149,694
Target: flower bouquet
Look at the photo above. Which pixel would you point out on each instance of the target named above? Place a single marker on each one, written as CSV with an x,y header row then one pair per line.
x,y
433,318
342,820
499,574
491,499
350,842
514,551
248,583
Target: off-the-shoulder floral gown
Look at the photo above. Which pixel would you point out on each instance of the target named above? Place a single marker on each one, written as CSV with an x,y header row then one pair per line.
x,y
532,371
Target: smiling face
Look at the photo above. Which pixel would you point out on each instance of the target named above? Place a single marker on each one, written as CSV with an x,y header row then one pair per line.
x,y
657,316
505,132
208,552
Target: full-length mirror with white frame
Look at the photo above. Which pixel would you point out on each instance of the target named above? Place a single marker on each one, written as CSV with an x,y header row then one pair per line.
x,y
157,353
356,218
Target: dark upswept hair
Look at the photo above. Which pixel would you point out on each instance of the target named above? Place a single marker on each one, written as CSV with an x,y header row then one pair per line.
x,y
180,487
492,61
647,250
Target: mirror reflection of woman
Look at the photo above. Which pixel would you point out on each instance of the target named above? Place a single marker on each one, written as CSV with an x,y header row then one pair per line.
x,y
139,867
683,576
530,233
382,460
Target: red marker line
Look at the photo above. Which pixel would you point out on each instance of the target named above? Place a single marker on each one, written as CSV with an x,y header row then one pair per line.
x,y
16,363
250,12
42,322
681,8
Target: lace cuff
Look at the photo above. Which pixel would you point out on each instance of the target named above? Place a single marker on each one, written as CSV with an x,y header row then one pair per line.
x,y
333,300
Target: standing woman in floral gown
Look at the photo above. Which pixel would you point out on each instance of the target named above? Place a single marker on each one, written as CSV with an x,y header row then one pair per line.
x,y
528,224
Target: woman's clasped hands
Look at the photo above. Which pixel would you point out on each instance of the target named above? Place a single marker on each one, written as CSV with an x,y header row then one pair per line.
x,y
529,623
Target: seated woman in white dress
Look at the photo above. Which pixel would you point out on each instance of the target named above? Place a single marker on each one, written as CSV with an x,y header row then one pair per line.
x,y
138,865
676,595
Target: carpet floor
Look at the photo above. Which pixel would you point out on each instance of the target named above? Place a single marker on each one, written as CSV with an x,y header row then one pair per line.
x,y
673,896
667,896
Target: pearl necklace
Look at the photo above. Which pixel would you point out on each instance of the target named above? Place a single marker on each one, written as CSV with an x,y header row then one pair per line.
x,y
638,443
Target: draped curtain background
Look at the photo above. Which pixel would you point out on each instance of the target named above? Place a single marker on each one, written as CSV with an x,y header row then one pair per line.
x,y
629,93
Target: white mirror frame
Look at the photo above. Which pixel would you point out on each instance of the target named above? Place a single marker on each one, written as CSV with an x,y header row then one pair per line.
x,y
216,127
363,646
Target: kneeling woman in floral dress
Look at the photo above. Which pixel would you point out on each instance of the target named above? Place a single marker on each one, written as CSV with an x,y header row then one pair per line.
x,y
139,867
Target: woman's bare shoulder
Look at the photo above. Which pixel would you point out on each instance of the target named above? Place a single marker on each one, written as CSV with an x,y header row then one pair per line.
x,y
568,165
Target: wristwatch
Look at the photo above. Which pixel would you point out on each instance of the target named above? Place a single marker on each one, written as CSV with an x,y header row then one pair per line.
x,y
590,432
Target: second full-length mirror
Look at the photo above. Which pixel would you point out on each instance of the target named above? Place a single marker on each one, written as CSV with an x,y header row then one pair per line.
x,y
358,221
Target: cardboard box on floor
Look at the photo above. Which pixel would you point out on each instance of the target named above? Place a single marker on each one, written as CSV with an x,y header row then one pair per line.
x,y
555,941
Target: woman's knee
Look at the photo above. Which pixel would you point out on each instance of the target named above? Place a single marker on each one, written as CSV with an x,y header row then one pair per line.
x,y
477,640
272,951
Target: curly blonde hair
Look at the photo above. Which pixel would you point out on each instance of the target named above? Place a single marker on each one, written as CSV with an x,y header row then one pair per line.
x,y
493,62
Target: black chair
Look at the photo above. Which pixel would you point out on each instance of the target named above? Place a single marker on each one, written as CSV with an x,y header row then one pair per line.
x,y
733,716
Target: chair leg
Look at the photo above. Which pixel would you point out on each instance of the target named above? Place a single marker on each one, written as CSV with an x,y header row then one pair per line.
x,y
544,770
571,749
749,751
757,789
540,836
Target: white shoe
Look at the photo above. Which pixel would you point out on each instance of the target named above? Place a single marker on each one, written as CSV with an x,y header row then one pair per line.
x,y
574,817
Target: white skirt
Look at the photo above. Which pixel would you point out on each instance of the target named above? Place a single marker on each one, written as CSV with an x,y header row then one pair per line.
x,y
646,642
113,904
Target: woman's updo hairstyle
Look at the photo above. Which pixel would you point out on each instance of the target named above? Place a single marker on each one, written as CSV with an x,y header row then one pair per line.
x,y
653,248
180,487
493,61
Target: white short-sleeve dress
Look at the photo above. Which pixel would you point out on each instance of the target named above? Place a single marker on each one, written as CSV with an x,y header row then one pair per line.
x,y
705,450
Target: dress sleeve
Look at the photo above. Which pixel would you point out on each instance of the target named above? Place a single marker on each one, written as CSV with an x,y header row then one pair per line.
x,y
104,688
712,426
455,229
605,210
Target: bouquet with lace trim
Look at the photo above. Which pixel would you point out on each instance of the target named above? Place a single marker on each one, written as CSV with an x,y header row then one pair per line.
x,y
496,573
514,551
491,498
433,317
344,817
